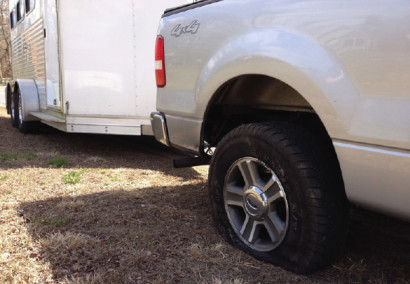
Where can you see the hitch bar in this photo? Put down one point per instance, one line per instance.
(190, 162)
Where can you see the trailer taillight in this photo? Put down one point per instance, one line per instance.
(160, 62)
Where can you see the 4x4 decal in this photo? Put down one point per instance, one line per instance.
(191, 28)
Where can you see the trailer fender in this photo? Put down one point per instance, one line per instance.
(29, 98)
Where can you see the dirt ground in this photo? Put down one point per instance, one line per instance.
(104, 209)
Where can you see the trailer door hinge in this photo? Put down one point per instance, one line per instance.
(67, 105)
(45, 33)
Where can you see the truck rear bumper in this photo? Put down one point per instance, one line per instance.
(177, 132)
(159, 127)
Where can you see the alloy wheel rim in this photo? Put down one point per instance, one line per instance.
(256, 204)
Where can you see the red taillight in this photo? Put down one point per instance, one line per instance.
(160, 62)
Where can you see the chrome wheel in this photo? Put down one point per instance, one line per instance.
(256, 204)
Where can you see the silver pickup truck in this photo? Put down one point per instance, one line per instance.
(300, 106)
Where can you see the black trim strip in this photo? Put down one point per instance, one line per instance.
(183, 8)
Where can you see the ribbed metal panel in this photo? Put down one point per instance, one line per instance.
(28, 59)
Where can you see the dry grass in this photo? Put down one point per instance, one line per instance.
(132, 218)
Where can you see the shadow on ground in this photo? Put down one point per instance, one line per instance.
(158, 235)
(165, 235)
(378, 244)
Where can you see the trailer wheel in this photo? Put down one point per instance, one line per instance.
(23, 126)
(13, 110)
(8, 98)
(276, 195)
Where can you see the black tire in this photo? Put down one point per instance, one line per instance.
(13, 110)
(277, 194)
(23, 126)
(8, 99)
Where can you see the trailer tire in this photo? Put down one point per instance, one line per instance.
(277, 195)
(24, 126)
(8, 98)
(13, 110)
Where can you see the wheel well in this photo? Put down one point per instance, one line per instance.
(256, 98)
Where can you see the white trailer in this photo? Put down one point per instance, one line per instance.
(84, 66)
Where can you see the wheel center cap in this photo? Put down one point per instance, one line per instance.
(255, 202)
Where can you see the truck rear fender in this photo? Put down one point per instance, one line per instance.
(291, 58)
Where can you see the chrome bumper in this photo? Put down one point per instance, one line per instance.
(159, 127)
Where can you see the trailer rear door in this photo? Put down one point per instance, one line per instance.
(52, 55)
